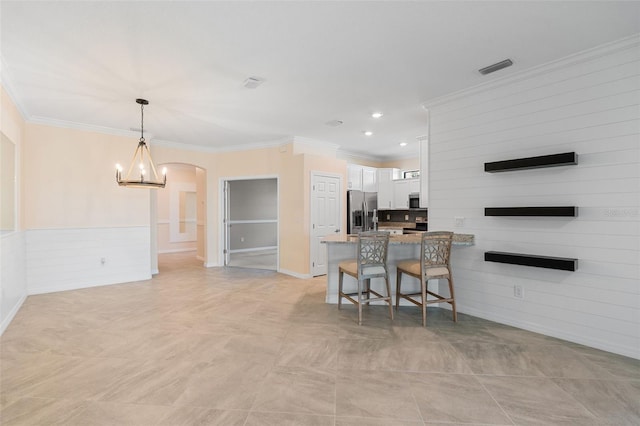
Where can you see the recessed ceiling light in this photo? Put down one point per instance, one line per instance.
(403, 144)
(377, 115)
(368, 133)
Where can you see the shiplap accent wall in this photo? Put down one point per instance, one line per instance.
(67, 259)
(12, 276)
(588, 103)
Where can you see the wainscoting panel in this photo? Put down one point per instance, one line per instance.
(66, 259)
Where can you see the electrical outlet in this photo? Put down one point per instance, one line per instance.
(518, 291)
(406, 217)
(242, 239)
(388, 217)
(459, 222)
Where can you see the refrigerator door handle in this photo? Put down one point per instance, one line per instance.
(365, 216)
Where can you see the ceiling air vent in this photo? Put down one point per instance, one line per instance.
(495, 67)
(253, 82)
(334, 123)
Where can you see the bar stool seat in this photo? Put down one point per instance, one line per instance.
(371, 263)
(434, 263)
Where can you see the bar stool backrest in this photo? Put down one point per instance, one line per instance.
(436, 249)
(372, 252)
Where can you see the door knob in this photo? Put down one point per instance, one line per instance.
(337, 230)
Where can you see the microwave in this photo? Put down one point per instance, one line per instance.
(414, 200)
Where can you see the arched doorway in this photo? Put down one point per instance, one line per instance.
(178, 216)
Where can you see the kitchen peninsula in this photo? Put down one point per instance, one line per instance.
(401, 247)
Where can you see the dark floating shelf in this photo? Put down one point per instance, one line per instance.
(560, 211)
(553, 160)
(561, 263)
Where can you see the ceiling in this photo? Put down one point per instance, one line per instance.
(86, 62)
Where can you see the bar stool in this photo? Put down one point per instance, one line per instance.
(434, 263)
(371, 263)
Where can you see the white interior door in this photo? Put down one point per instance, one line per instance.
(326, 215)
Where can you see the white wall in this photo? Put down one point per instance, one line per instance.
(587, 103)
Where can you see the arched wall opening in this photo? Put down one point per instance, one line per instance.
(179, 214)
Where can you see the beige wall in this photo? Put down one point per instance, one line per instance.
(69, 180)
(69, 183)
(403, 164)
(12, 129)
(293, 172)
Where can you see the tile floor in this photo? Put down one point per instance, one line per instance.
(263, 259)
(247, 347)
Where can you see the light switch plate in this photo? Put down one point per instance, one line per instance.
(406, 217)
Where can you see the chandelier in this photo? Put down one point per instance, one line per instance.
(137, 176)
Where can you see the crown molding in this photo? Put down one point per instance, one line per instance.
(85, 127)
(315, 146)
(213, 150)
(632, 41)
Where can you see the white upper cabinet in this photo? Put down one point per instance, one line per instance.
(354, 177)
(369, 179)
(401, 190)
(414, 185)
(362, 178)
(385, 187)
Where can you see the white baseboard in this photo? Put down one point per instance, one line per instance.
(295, 274)
(181, 250)
(632, 352)
(12, 314)
(211, 265)
(78, 286)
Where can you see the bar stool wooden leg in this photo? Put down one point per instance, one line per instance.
(453, 299)
(368, 288)
(360, 302)
(398, 294)
(340, 277)
(423, 284)
(390, 302)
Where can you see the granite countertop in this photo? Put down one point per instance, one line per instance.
(458, 239)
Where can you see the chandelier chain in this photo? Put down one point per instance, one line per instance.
(141, 122)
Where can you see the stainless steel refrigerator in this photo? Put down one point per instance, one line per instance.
(361, 211)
